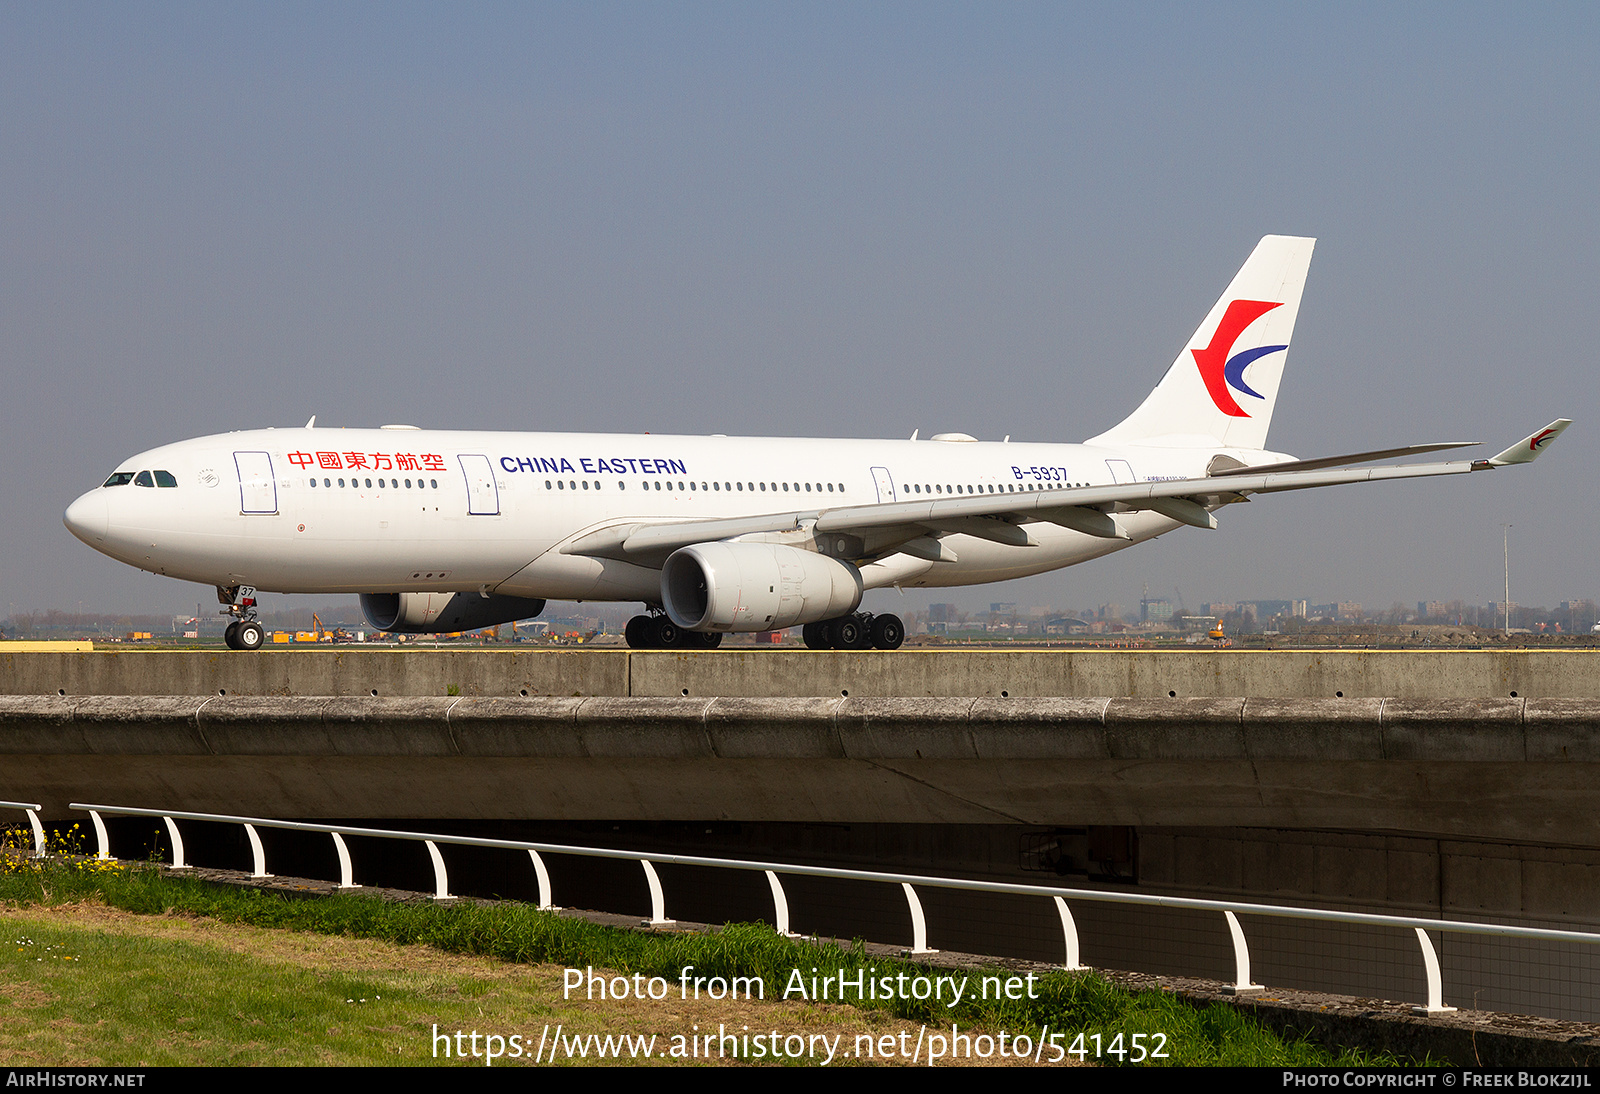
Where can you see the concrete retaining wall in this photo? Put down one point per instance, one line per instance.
(1520, 769)
(1286, 674)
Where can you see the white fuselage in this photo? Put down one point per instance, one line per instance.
(407, 510)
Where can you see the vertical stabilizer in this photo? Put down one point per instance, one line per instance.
(1220, 391)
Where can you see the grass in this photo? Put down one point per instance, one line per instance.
(98, 996)
(174, 1000)
(88, 985)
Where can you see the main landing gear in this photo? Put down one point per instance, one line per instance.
(657, 632)
(244, 633)
(856, 632)
(850, 632)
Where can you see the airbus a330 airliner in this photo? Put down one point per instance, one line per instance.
(450, 531)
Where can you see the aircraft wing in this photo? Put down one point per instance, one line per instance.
(1233, 467)
(1002, 517)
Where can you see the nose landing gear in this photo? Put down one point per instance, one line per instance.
(244, 633)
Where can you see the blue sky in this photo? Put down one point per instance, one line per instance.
(834, 220)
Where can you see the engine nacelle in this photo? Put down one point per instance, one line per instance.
(442, 613)
(755, 587)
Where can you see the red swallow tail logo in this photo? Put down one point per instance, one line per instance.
(1221, 372)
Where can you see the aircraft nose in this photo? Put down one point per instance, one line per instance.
(88, 517)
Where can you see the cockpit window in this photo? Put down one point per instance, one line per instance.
(165, 479)
(121, 478)
(143, 479)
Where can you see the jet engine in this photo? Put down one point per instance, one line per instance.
(755, 587)
(442, 613)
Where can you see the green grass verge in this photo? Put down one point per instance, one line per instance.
(1064, 1004)
(78, 996)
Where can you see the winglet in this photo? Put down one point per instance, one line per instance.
(1529, 448)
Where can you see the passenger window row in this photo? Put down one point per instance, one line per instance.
(808, 488)
(167, 480)
(1003, 488)
(392, 484)
(730, 487)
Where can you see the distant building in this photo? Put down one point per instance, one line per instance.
(1155, 611)
(1266, 609)
(1579, 613)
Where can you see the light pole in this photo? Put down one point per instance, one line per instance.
(1505, 532)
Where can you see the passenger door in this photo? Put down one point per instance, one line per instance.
(885, 483)
(258, 491)
(483, 497)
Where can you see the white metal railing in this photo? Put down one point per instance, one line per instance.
(658, 915)
(32, 809)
